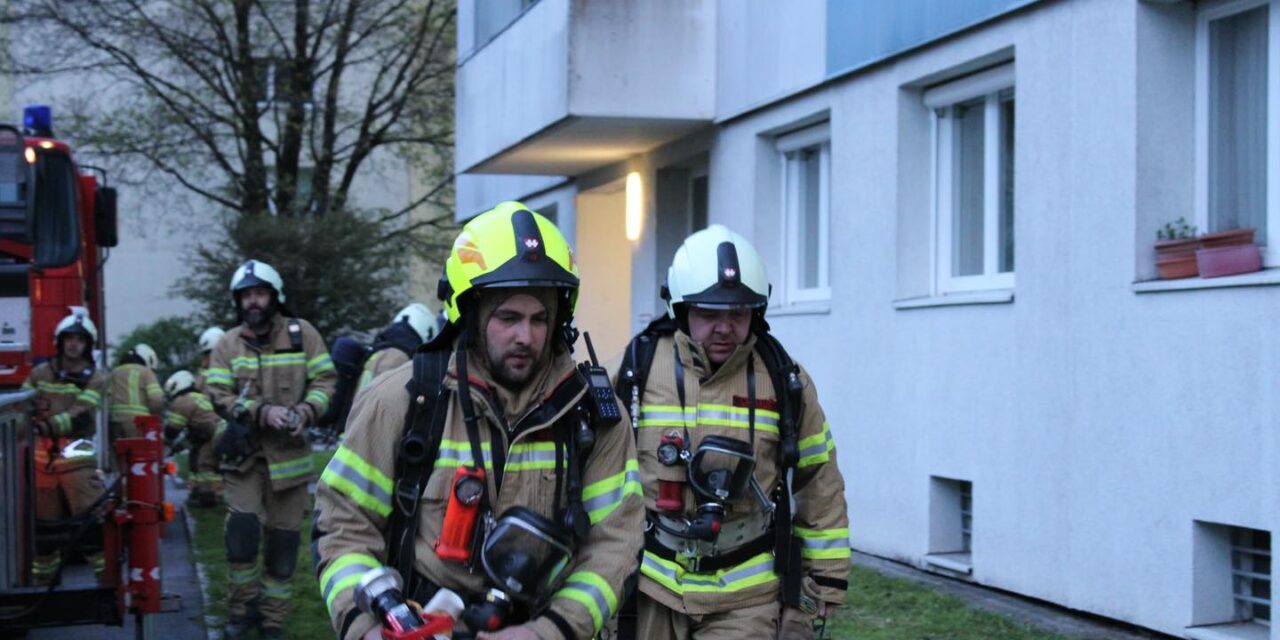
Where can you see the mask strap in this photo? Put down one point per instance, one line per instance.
(751, 400)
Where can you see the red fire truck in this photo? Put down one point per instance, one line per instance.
(57, 223)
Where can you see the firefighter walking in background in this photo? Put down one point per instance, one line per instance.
(69, 392)
(191, 410)
(394, 345)
(748, 535)
(271, 376)
(206, 481)
(135, 391)
(208, 340)
(520, 471)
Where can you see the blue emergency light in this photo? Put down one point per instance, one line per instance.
(38, 119)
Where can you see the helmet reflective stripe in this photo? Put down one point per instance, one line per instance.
(147, 355)
(420, 318)
(77, 322)
(254, 273)
(179, 381)
(717, 268)
(209, 338)
(508, 246)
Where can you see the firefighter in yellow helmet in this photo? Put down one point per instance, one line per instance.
(192, 411)
(530, 510)
(135, 391)
(748, 535)
(69, 390)
(271, 376)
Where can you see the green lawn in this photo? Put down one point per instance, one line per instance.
(879, 608)
(309, 619)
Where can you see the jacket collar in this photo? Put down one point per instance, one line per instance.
(277, 336)
(694, 358)
(505, 406)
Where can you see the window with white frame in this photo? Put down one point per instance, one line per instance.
(973, 181)
(1237, 111)
(806, 219)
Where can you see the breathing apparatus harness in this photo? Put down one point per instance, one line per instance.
(509, 568)
(785, 376)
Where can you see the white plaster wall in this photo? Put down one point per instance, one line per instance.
(477, 192)
(767, 50)
(1095, 423)
(630, 58)
(513, 86)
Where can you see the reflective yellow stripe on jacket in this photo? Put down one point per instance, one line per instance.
(673, 576)
(601, 498)
(593, 593)
(364, 483)
(824, 544)
(344, 574)
(706, 414)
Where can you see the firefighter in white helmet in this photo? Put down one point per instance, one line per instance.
(191, 410)
(206, 481)
(208, 340)
(69, 392)
(748, 535)
(393, 346)
(135, 391)
(271, 376)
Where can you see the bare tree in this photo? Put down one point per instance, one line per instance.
(261, 107)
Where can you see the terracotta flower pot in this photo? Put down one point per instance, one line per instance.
(1228, 261)
(1230, 238)
(1174, 248)
(1177, 258)
(1179, 266)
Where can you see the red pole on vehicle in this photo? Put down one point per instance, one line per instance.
(145, 511)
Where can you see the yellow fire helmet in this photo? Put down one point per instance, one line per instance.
(509, 246)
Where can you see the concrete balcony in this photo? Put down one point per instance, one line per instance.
(573, 85)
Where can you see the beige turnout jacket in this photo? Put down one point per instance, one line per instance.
(69, 407)
(353, 500)
(716, 404)
(274, 373)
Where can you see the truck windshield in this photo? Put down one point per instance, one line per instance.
(57, 232)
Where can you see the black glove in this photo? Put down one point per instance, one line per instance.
(233, 447)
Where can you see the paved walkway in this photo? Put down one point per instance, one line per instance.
(1039, 614)
(179, 579)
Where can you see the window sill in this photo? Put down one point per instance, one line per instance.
(1264, 278)
(1231, 631)
(956, 299)
(960, 562)
(810, 307)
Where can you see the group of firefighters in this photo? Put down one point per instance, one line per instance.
(688, 490)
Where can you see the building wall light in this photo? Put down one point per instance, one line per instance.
(635, 207)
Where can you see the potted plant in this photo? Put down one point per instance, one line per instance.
(1227, 253)
(1176, 246)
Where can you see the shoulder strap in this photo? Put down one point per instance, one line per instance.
(636, 361)
(790, 393)
(416, 454)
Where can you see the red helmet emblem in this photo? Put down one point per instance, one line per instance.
(531, 243)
